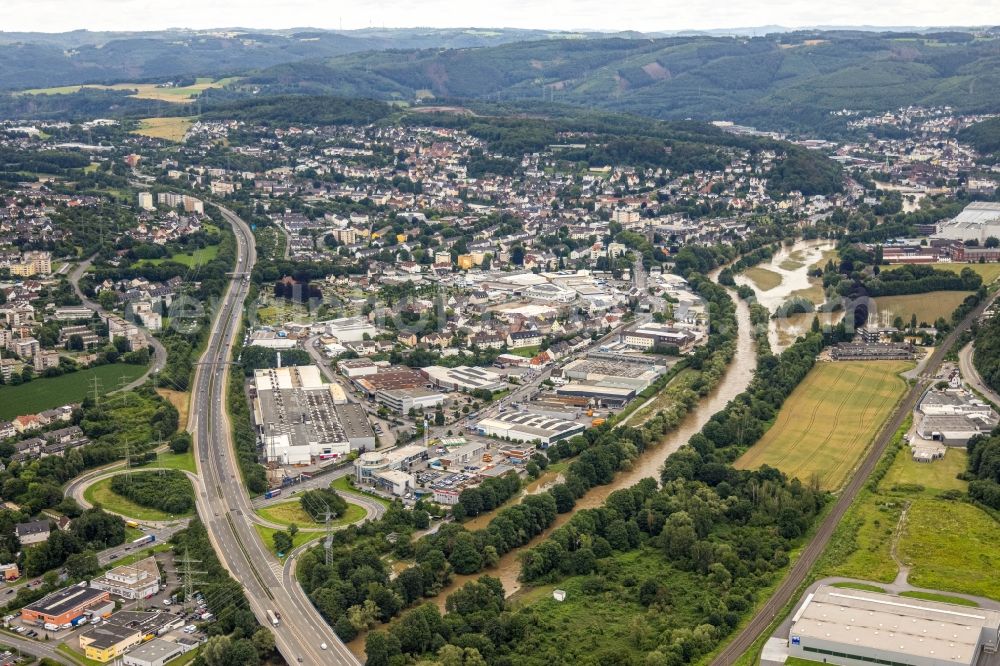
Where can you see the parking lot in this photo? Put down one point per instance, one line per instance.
(164, 600)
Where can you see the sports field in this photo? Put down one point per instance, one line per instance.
(171, 128)
(829, 420)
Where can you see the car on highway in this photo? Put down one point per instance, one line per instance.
(322, 646)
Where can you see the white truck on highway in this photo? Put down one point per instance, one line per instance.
(275, 618)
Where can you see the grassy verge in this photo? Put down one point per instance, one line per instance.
(267, 536)
(859, 586)
(181, 461)
(101, 493)
(197, 258)
(76, 656)
(180, 400)
(526, 352)
(928, 307)
(343, 484)
(943, 598)
(291, 512)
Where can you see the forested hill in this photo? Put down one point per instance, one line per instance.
(785, 81)
(984, 136)
(43, 60)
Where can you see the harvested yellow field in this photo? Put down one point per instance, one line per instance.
(177, 95)
(169, 129)
(829, 420)
(180, 400)
(928, 307)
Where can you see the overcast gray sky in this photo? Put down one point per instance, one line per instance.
(644, 15)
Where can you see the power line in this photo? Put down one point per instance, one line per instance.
(188, 575)
(97, 391)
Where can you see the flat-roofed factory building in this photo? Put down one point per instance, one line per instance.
(528, 427)
(63, 605)
(847, 626)
(463, 378)
(299, 418)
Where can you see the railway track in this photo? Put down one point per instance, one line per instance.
(799, 572)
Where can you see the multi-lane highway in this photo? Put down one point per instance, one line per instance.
(223, 505)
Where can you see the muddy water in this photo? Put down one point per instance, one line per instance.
(783, 331)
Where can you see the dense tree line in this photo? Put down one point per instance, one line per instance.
(256, 358)
(984, 136)
(479, 165)
(983, 470)
(244, 433)
(41, 161)
(487, 496)
(916, 279)
(804, 171)
(356, 589)
(986, 353)
(295, 109)
(317, 502)
(166, 490)
(93, 530)
(298, 292)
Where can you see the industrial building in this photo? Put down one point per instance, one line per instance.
(131, 581)
(156, 652)
(863, 351)
(395, 377)
(356, 426)
(389, 470)
(63, 605)
(109, 641)
(300, 419)
(527, 427)
(953, 416)
(357, 367)
(847, 626)
(463, 378)
(978, 221)
(350, 329)
(403, 400)
(615, 370)
(599, 395)
(649, 335)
